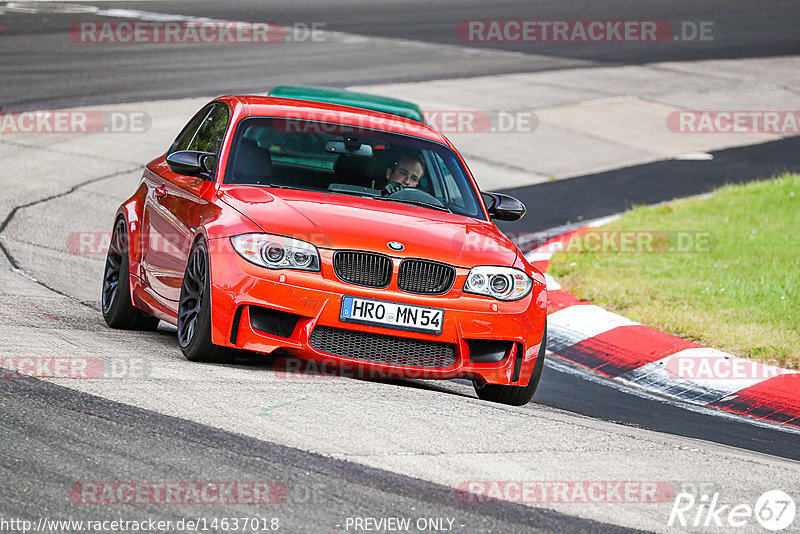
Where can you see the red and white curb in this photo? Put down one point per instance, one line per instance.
(623, 350)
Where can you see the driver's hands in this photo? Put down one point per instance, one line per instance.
(392, 187)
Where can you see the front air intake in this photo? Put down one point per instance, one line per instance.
(379, 348)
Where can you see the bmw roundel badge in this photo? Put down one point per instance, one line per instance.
(394, 245)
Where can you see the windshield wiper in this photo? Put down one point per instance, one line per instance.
(281, 186)
(416, 203)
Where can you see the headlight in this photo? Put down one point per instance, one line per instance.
(277, 251)
(502, 283)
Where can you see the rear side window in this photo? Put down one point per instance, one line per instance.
(205, 131)
(211, 132)
(187, 134)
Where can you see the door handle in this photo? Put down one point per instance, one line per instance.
(161, 191)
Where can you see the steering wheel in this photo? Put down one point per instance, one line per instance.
(417, 195)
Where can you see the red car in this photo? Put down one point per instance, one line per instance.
(281, 224)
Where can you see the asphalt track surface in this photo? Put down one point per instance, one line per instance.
(318, 493)
(81, 434)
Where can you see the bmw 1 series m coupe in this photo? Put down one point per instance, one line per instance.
(336, 227)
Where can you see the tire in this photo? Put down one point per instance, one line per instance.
(194, 311)
(515, 395)
(115, 300)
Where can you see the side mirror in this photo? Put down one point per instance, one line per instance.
(191, 163)
(503, 207)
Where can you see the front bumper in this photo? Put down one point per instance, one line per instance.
(240, 291)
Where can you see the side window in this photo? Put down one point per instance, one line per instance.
(187, 134)
(209, 136)
(446, 186)
(458, 193)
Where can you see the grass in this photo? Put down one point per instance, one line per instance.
(737, 289)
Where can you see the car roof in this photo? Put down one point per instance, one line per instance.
(267, 106)
(333, 95)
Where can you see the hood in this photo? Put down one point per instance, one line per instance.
(335, 221)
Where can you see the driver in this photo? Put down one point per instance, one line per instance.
(405, 172)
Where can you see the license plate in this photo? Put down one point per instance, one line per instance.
(392, 315)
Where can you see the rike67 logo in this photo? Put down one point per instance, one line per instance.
(774, 510)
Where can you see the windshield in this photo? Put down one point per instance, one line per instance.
(272, 152)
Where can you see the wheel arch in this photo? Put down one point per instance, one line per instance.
(132, 211)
